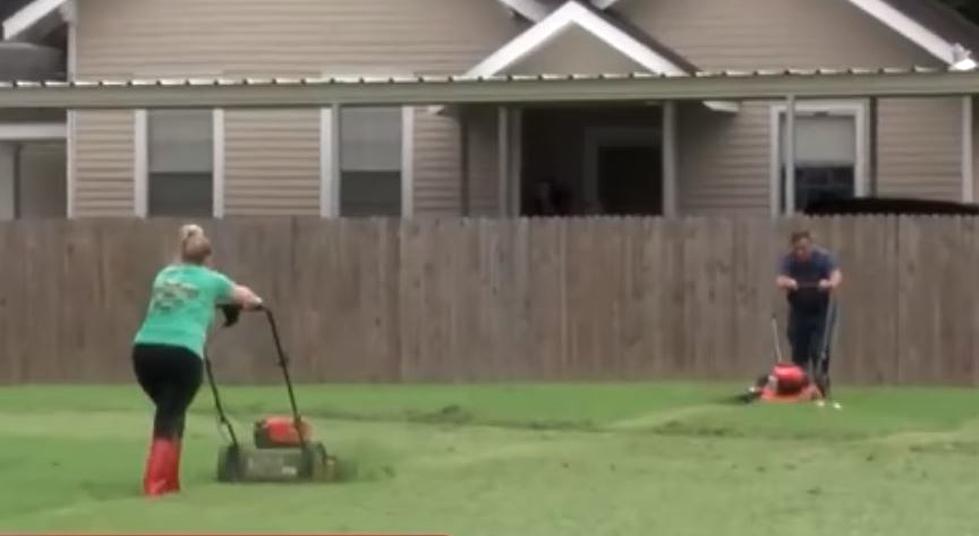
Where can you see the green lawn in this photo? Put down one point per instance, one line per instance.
(525, 459)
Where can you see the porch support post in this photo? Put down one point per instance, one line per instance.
(465, 187)
(219, 163)
(407, 162)
(872, 179)
(669, 148)
(141, 163)
(790, 155)
(968, 186)
(503, 160)
(330, 162)
(515, 157)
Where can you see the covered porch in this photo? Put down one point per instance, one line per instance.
(614, 143)
(569, 159)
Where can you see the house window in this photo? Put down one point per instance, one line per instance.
(180, 178)
(370, 161)
(828, 155)
(33, 171)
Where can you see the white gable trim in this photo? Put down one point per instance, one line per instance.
(951, 53)
(31, 14)
(572, 13)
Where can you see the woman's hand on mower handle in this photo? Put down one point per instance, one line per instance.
(246, 298)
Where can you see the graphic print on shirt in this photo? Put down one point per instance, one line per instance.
(172, 294)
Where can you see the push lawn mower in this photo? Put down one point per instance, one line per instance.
(284, 450)
(787, 382)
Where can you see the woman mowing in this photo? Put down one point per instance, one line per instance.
(168, 350)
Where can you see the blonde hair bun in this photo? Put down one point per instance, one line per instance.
(195, 247)
(190, 230)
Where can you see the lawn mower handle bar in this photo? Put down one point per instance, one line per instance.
(808, 286)
(222, 416)
(284, 365)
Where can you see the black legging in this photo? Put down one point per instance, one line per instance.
(170, 376)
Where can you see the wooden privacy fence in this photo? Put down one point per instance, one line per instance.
(489, 300)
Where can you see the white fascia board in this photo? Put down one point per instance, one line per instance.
(934, 44)
(22, 21)
(729, 107)
(966, 64)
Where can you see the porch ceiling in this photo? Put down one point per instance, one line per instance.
(434, 90)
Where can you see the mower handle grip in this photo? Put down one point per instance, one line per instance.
(232, 312)
(809, 286)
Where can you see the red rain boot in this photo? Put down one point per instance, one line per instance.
(154, 477)
(157, 478)
(173, 469)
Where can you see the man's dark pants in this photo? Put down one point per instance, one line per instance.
(806, 331)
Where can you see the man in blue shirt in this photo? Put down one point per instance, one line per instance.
(808, 275)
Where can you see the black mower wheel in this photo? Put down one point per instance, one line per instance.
(317, 463)
(229, 464)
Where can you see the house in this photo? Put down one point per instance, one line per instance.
(649, 158)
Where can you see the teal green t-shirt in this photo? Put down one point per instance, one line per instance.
(182, 306)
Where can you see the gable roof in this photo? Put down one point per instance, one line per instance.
(627, 39)
(933, 26)
(637, 47)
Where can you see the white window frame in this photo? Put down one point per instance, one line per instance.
(141, 161)
(46, 131)
(858, 109)
(330, 162)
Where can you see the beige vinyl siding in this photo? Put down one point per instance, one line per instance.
(104, 164)
(484, 170)
(724, 163)
(272, 162)
(761, 34)
(920, 148)
(437, 165)
(575, 51)
(236, 38)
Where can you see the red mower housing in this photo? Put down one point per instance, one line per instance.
(789, 383)
(789, 378)
(785, 383)
(281, 432)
